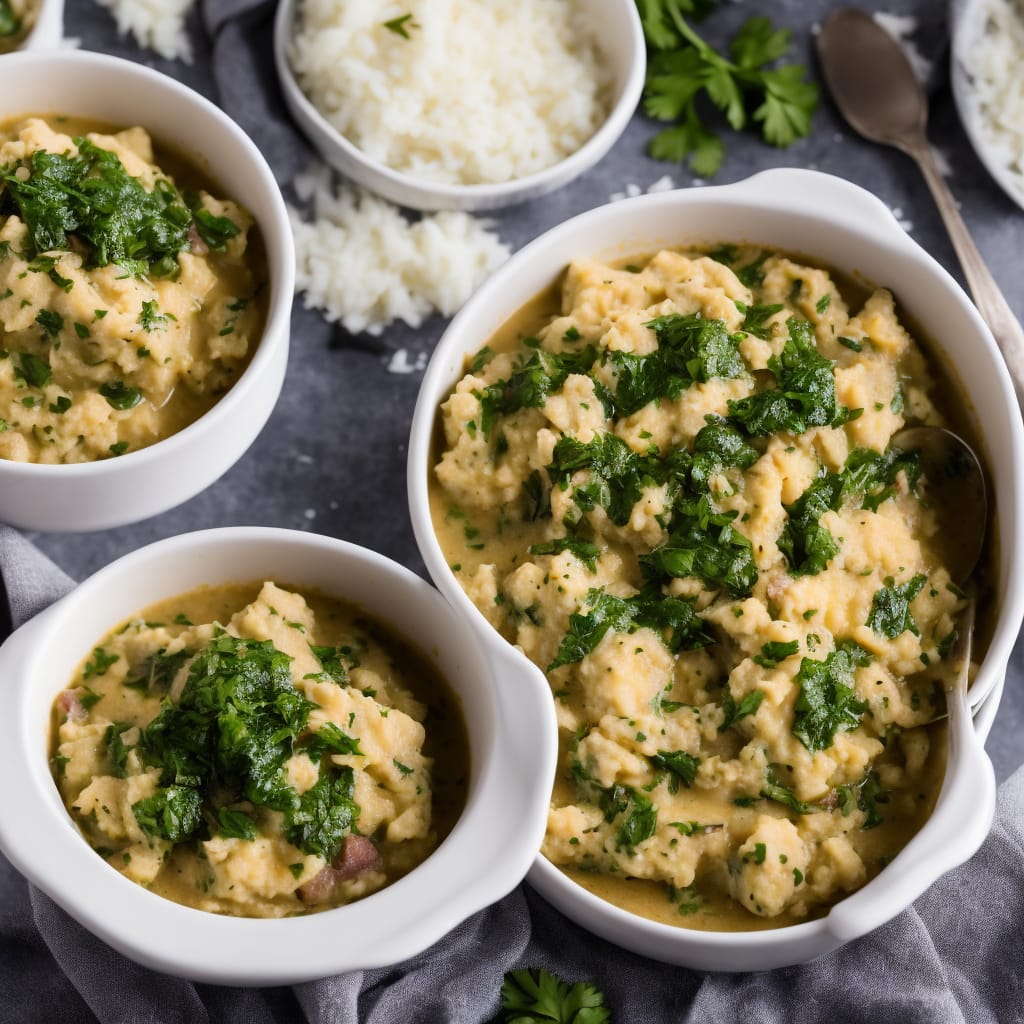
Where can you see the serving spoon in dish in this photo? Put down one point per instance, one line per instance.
(877, 91)
(948, 462)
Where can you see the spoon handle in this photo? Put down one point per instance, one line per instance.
(988, 298)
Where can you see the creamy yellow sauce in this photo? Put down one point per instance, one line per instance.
(98, 355)
(408, 769)
(695, 786)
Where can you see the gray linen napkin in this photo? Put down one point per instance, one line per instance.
(957, 955)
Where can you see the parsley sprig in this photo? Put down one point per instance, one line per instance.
(538, 997)
(745, 86)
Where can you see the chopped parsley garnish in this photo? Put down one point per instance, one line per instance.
(215, 231)
(150, 317)
(92, 197)
(618, 475)
(325, 814)
(238, 721)
(157, 672)
(690, 349)
(61, 406)
(807, 545)
(775, 791)
(673, 618)
(704, 543)
(890, 607)
(48, 265)
(851, 343)
(174, 813)
(481, 359)
(235, 824)
(681, 766)
(120, 396)
(755, 317)
(10, 23)
(401, 25)
(537, 997)
(775, 651)
(330, 739)
(335, 662)
(52, 323)
(734, 711)
(875, 475)
(586, 552)
(100, 663)
(542, 375)
(826, 702)
(32, 369)
(806, 392)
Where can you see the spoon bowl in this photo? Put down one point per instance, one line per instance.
(956, 480)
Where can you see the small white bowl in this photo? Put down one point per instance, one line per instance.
(134, 486)
(834, 223)
(621, 41)
(512, 735)
(968, 18)
(48, 30)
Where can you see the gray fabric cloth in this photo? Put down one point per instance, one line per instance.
(956, 956)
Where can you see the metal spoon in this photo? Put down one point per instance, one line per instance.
(878, 92)
(956, 482)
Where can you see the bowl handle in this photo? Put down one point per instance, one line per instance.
(958, 826)
(815, 191)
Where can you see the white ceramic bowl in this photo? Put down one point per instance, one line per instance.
(621, 41)
(48, 30)
(509, 719)
(967, 20)
(112, 492)
(837, 224)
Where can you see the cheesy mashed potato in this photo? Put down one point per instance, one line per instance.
(126, 308)
(676, 491)
(274, 766)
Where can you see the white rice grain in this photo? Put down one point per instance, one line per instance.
(994, 62)
(159, 25)
(473, 92)
(364, 265)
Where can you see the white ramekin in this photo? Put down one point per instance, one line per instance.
(116, 491)
(621, 40)
(512, 736)
(828, 221)
(48, 30)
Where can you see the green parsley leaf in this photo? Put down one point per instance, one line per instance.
(806, 392)
(325, 814)
(173, 813)
(775, 791)
(807, 545)
(681, 766)
(52, 323)
(754, 318)
(32, 369)
(401, 25)
(775, 651)
(537, 997)
(150, 317)
(235, 824)
(890, 607)
(826, 702)
(100, 663)
(733, 712)
(684, 69)
(215, 231)
(10, 23)
(666, 615)
(586, 552)
(120, 396)
(330, 739)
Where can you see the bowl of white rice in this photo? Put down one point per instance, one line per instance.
(988, 50)
(461, 104)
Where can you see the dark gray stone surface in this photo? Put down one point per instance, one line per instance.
(332, 458)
